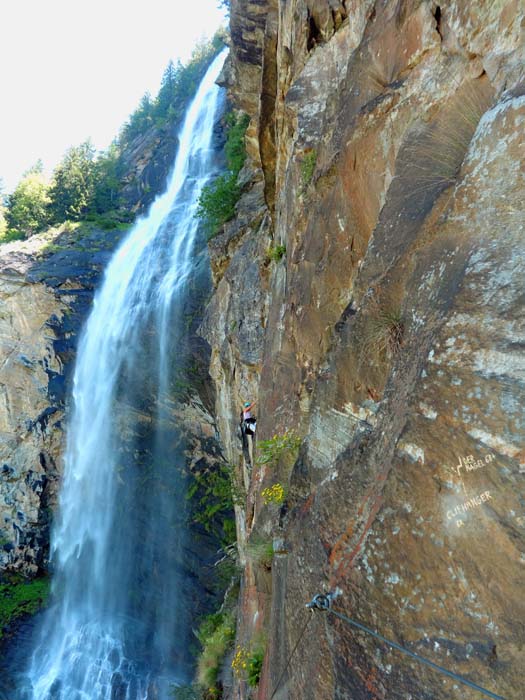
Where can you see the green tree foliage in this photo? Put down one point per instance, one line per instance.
(27, 207)
(73, 183)
(139, 121)
(85, 185)
(178, 85)
(168, 87)
(107, 181)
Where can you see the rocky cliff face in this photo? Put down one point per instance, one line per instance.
(387, 156)
(46, 288)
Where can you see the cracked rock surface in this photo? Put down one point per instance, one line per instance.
(387, 141)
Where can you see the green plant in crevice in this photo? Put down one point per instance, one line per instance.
(255, 664)
(275, 253)
(227, 574)
(260, 551)
(269, 452)
(247, 663)
(235, 148)
(273, 494)
(217, 201)
(308, 164)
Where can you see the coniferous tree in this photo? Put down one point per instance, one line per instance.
(167, 92)
(107, 181)
(73, 183)
(140, 120)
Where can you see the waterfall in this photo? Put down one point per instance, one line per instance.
(119, 625)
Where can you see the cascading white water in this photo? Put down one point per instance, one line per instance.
(118, 629)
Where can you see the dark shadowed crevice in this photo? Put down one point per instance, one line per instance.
(437, 17)
(314, 34)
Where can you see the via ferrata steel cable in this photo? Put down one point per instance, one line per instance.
(323, 602)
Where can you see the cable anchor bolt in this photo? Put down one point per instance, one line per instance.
(320, 602)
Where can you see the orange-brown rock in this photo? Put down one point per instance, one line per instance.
(390, 337)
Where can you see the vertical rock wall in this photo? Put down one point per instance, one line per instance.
(30, 437)
(387, 156)
(44, 298)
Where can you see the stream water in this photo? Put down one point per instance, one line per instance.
(119, 626)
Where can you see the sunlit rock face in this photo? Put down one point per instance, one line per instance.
(44, 298)
(387, 141)
(29, 469)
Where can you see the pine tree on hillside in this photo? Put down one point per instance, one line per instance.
(107, 181)
(139, 121)
(167, 92)
(73, 183)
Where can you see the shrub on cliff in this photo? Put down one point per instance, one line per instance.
(214, 495)
(217, 201)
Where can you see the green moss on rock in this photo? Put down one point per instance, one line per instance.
(21, 598)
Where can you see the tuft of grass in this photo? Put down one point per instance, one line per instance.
(255, 664)
(382, 333)
(216, 635)
(260, 551)
(21, 598)
(432, 160)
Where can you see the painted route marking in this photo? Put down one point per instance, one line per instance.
(467, 505)
(469, 464)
